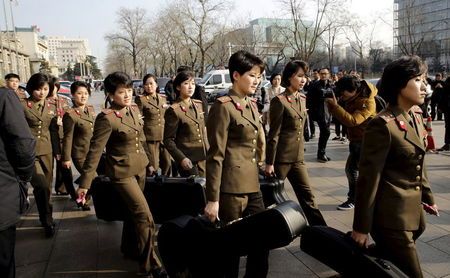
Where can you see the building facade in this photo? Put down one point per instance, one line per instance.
(67, 51)
(422, 27)
(12, 60)
(34, 45)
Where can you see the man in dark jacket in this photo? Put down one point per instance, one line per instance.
(319, 113)
(17, 154)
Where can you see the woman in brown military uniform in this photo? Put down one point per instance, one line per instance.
(285, 147)
(41, 117)
(120, 130)
(236, 136)
(78, 124)
(393, 185)
(153, 107)
(63, 178)
(184, 130)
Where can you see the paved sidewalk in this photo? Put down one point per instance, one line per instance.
(86, 247)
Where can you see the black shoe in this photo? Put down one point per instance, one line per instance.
(159, 272)
(322, 158)
(84, 207)
(62, 192)
(347, 205)
(446, 147)
(49, 230)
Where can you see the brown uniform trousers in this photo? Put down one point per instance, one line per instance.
(285, 149)
(184, 135)
(237, 146)
(120, 130)
(392, 185)
(42, 120)
(153, 109)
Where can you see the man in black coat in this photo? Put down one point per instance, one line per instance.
(319, 113)
(17, 154)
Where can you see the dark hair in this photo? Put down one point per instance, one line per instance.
(36, 82)
(116, 80)
(290, 69)
(77, 84)
(180, 78)
(147, 76)
(243, 61)
(324, 68)
(54, 82)
(397, 74)
(12, 75)
(352, 83)
(272, 77)
(183, 68)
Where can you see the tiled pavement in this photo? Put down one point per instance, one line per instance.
(86, 247)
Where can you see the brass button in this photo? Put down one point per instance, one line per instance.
(137, 138)
(253, 160)
(39, 136)
(254, 150)
(299, 132)
(137, 151)
(420, 156)
(40, 126)
(418, 178)
(40, 122)
(254, 141)
(256, 132)
(199, 135)
(417, 188)
(39, 132)
(418, 167)
(199, 140)
(137, 132)
(298, 139)
(91, 123)
(92, 129)
(159, 124)
(159, 119)
(198, 130)
(137, 145)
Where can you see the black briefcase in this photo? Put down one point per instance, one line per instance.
(108, 204)
(272, 190)
(169, 198)
(338, 250)
(193, 246)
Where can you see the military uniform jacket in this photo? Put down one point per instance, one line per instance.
(237, 145)
(153, 110)
(287, 117)
(43, 126)
(184, 131)
(392, 180)
(78, 128)
(120, 131)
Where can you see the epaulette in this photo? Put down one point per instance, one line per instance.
(197, 100)
(387, 116)
(416, 109)
(134, 106)
(224, 99)
(91, 108)
(162, 95)
(107, 111)
(175, 105)
(302, 95)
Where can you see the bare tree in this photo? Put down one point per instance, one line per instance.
(303, 35)
(197, 20)
(131, 34)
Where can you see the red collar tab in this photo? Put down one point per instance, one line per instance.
(238, 106)
(29, 104)
(77, 111)
(289, 99)
(402, 125)
(118, 115)
(183, 108)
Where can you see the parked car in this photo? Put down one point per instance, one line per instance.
(162, 81)
(137, 87)
(65, 83)
(216, 79)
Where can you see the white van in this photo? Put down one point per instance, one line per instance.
(216, 79)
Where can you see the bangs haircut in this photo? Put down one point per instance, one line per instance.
(180, 78)
(37, 81)
(243, 61)
(117, 80)
(397, 74)
(77, 84)
(290, 69)
(147, 76)
(12, 75)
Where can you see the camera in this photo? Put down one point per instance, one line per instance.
(328, 93)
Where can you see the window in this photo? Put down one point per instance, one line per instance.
(216, 79)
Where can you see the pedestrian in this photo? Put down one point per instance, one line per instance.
(78, 125)
(184, 130)
(42, 116)
(438, 86)
(61, 105)
(358, 99)
(120, 130)
(237, 146)
(444, 107)
(319, 111)
(393, 189)
(152, 107)
(13, 82)
(17, 154)
(273, 90)
(285, 157)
